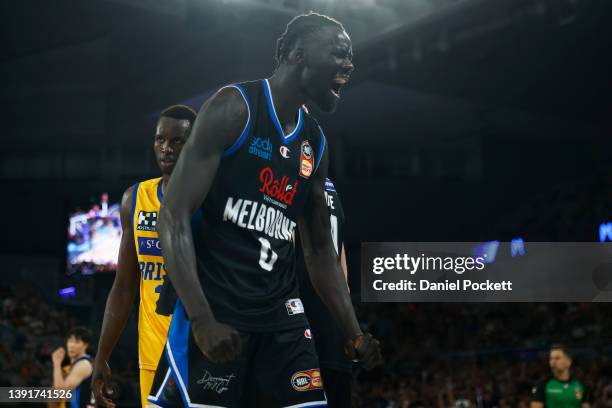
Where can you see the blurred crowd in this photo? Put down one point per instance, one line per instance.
(481, 355)
(437, 355)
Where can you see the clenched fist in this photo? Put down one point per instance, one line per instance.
(218, 342)
(366, 349)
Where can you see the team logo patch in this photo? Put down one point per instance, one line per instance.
(578, 393)
(307, 334)
(307, 380)
(284, 151)
(294, 306)
(147, 221)
(261, 147)
(149, 246)
(306, 159)
(278, 189)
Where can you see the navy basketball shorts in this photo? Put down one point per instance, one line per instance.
(274, 370)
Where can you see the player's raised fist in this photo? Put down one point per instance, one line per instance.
(366, 349)
(58, 355)
(219, 342)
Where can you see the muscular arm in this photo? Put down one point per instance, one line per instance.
(217, 126)
(121, 296)
(326, 273)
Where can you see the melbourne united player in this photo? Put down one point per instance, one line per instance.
(140, 260)
(76, 376)
(561, 390)
(256, 165)
(336, 368)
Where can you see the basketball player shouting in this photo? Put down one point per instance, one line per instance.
(256, 165)
(140, 261)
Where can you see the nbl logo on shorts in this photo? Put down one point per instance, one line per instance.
(147, 221)
(307, 380)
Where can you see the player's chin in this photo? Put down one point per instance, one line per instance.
(166, 167)
(328, 102)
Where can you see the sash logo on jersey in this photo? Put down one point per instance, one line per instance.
(280, 190)
(307, 334)
(261, 147)
(307, 380)
(306, 160)
(149, 246)
(294, 306)
(147, 221)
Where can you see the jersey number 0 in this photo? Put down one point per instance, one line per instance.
(267, 256)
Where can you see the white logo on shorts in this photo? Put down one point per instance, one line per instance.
(294, 306)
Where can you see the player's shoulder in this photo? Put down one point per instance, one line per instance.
(82, 362)
(232, 99)
(131, 191)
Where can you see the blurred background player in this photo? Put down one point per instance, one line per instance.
(140, 260)
(336, 368)
(560, 390)
(76, 376)
(256, 165)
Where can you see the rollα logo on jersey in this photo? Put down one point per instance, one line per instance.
(280, 190)
(261, 147)
(147, 221)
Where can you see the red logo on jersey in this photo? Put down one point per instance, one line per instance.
(280, 190)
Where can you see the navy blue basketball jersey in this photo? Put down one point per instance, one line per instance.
(245, 241)
(329, 340)
(82, 395)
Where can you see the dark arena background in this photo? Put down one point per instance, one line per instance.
(465, 120)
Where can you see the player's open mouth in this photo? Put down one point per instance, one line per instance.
(166, 161)
(337, 84)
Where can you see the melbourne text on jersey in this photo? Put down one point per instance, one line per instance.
(257, 216)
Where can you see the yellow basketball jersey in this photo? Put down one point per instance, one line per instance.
(152, 327)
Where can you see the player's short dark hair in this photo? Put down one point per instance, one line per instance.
(561, 347)
(300, 26)
(179, 112)
(81, 333)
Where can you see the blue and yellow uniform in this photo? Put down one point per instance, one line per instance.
(152, 327)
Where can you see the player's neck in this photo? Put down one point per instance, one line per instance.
(75, 358)
(286, 95)
(563, 377)
(165, 179)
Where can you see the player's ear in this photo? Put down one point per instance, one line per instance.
(296, 56)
